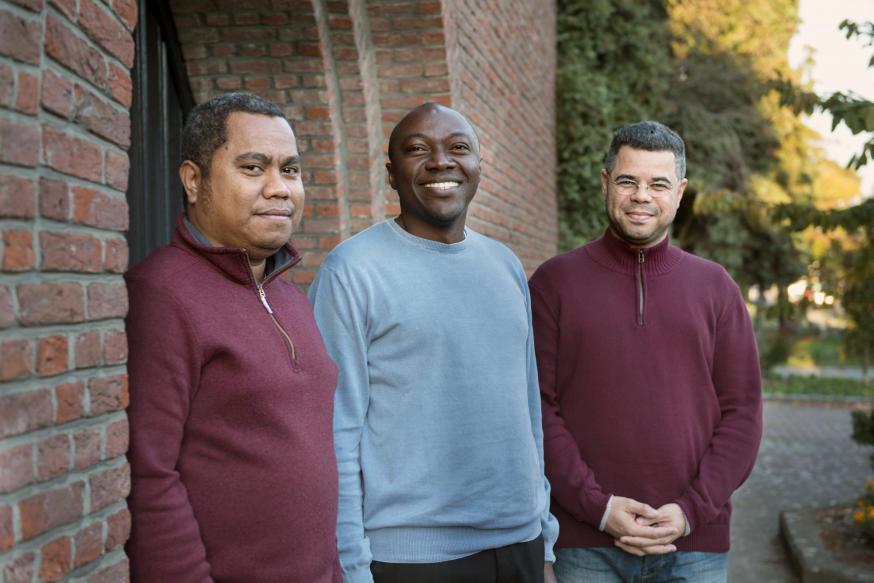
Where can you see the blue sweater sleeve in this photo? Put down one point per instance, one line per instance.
(341, 320)
(548, 522)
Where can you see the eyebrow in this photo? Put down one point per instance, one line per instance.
(656, 179)
(265, 159)
(450, 136)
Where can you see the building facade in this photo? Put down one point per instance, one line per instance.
(92, 98)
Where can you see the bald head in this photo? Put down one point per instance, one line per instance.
(415, 116)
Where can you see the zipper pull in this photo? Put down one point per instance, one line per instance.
(640, 255)
(263, 297)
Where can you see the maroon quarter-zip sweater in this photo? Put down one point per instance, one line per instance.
(650, 385)
(234, 477)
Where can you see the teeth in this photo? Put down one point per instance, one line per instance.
(442, 185)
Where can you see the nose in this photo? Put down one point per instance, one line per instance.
(641, 193)
(276, 185)
(439, 160)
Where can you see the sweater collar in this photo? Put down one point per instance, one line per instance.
(616, 254)
(233, 262)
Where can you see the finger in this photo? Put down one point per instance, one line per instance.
(639, 541)
(651, 532)
(629, 549)
(642, 509)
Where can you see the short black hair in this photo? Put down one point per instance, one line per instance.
(651, 136)
(206, 128)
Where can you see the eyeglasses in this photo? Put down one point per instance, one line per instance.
(627, 187)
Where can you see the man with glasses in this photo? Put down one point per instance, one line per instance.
(650, 382)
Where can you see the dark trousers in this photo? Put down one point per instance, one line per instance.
(518, 563)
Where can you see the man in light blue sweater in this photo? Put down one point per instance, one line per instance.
(437, 422)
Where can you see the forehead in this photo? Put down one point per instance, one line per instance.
(645, 162)
(259, 133)
(435, 123)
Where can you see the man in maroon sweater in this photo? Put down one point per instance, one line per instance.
(650, 384)
(234, 477)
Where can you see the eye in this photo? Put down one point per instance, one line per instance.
(660, 187)
(415, 148)
(252, 168)
(626, 183)
(461, 147)
(292, 170)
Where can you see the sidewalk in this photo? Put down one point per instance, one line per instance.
(807, 458)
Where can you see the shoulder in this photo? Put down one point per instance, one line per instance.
(705, 270)
(164, 268)
(560, 266)
(364, 247)
(493, 248)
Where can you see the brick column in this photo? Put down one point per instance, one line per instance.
(65, 94)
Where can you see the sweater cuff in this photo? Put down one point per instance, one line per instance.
(358, 575)
(606, 514)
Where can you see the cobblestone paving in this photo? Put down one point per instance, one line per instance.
(807, 458)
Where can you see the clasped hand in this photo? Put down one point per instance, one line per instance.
(640, 529)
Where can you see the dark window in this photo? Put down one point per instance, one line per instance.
(161, 100)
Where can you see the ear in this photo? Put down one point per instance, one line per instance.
(681, 190)
(605, 179)
(192, 179)
(391, 176)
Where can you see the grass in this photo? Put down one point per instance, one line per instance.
(798, 385)
(812, 350)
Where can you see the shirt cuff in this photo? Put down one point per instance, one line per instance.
(687, 530)
(606, 515)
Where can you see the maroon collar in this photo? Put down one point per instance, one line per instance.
(616, 254)
(233, 261)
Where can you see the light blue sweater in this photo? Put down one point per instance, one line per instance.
(437, 423)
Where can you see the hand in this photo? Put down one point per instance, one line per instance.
(670, 516)
(636, 528)
(548, 574)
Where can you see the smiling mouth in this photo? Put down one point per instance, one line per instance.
(442, 185)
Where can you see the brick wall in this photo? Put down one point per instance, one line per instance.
(501, 58)
(65, 92)
(344, 70)
(347, 70)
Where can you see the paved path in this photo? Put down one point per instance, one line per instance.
(835, 372)
(807, 458)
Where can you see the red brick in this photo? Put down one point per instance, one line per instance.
(19, 38)
(101, 117)
(47, 510)
(86, 443)
(72, 155)
(88, 349)
(7, 85)
(118, 529)
(28, 93)
(35, 5)
(55, 562)
(51, 303)
(126, 10)
(7, 314)
(51, 355)
(116, 255)
(116, 439)
(54, 457)
(16, 197)
(107, 300)
(109, 486)
(120, 85)
(67, 7)
(439, 85)
(70, 401)
(57, 92)
(228, 83)
(23, 412)
(63, 45)
(117, 169)
(17, 464)
(89, 544)
(108, 394)
(19, 142)
(54, 202)
(63, 251)
(18, 253)
(114, 347)
(109, 33)
(17, 359)
(117, 573)
(19, 569)
(7, 532)
(98, 209)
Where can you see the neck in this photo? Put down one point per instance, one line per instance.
(258, 268)
(634, 245)
(453, 233)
